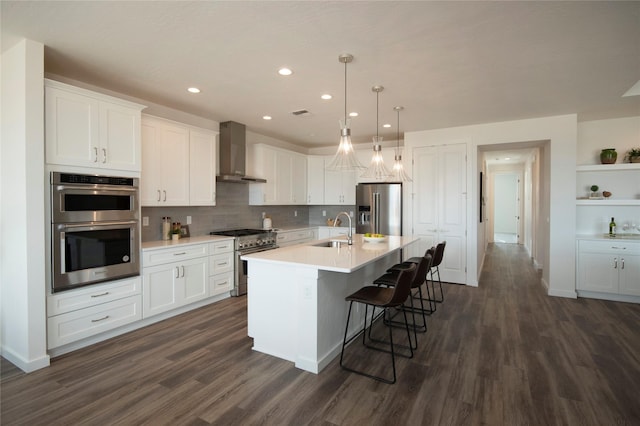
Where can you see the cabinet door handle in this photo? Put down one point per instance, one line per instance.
(158, 195)
(104, 155)
(182, 270)
(100, 295)
(164, 191)
(95, 151)
(177, 272)
(622, 260)
(615, 263)
(100, 319)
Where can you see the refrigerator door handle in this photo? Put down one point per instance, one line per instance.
(376, 213)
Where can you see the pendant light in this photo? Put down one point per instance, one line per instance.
(345, 158)
(377, 169)
(397, 173)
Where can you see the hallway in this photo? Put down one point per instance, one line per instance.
(502, 353)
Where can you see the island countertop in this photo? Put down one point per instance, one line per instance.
(345, 258)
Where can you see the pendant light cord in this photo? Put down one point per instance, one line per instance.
(377, 114)
(345, 93)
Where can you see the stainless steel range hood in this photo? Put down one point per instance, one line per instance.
(232, 154)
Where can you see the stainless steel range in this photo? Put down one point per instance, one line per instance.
(247, 241)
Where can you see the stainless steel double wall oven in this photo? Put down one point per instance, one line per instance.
(95, 233)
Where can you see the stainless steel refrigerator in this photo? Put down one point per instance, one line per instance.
(379, 208)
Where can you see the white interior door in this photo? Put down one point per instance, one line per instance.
(440, 205)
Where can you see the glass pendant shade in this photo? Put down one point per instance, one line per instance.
(398, 173)
(376, 169)
(345, 158)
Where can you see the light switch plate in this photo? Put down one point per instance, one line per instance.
(145, 220)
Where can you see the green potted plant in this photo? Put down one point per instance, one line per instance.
(633, 155)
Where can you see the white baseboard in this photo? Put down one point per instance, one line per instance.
(25, 365)
(569, 294)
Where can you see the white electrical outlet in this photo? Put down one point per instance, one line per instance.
(324, 213)
(188, 220)
(145, 220)
(295, 213)
(351, 213)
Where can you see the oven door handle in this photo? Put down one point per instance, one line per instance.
(111, 189)
(86, 224)
(257, 250)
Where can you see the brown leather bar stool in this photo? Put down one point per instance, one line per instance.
(384, 298)
(390, 278)
(415, 261)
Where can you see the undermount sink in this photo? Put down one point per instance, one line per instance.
(331, 243)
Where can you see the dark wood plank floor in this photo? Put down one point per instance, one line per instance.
(501, 354)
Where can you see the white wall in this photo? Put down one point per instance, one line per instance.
(22, 249)
(559, 212)
(619, 133)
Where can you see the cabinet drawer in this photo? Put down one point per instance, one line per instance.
(76, 325)
(173, 254)
(220, 263)
(608, 246)
(225, 246)
(220, 283)
(85, 297)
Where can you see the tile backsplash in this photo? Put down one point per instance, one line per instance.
(231, 211)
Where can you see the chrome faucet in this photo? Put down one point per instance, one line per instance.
(350, 233)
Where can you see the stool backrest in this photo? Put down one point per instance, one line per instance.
(421, 270)
(439, 254)
(403, 286)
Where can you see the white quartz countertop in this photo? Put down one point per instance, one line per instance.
(343, 259)
(183, 241)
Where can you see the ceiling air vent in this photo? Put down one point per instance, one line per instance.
(301, 113)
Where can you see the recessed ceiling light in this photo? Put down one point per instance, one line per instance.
(386, 125)
(266, 117)
(193, 90)
(507, 158)
(326, 96)
(353, 114)
(285, 71)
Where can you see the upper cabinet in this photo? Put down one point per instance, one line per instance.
(315, 180)
(178, 164)
(88, 129)
(285, 172)
(339, 187)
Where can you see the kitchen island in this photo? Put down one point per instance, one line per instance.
(296, 307)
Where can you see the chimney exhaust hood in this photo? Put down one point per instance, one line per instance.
(233, 153)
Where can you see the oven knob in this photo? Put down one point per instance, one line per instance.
(259, 242)
(240, 245)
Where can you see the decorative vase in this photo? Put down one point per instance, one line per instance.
(608, 156)
(175, 237)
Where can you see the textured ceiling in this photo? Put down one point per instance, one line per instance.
(447, 63)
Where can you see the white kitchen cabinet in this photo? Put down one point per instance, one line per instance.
(164, 180)
(298, 180)
(296, 236)
(285, 173)
(221, 267)
(169, 285)
(315, 180)
(202, 168)
(608, 266)
(178, 164)
(88, 129)
(339, 187)
(439, 205)
(333, 231)
(80, 313)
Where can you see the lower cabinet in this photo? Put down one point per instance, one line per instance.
(296, 236)
(609, 266)
(221, 267)
(166, 287)
(77, 314)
